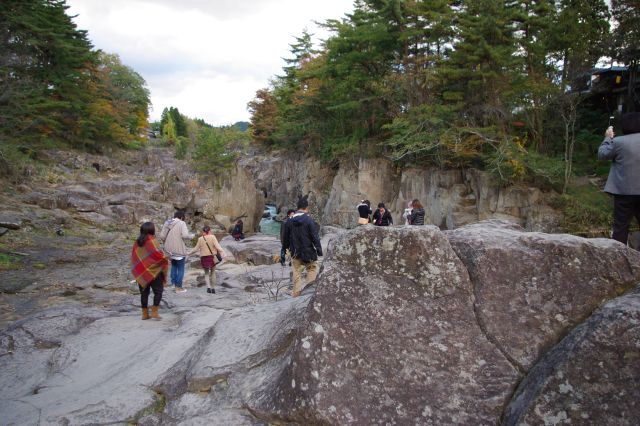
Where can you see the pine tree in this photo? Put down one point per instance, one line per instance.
(481, 70)
(626, 46)
(46, 64)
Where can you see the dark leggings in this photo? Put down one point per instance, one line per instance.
(157, 287)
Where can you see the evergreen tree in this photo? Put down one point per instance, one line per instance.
(579, 38)
(179, 121)
(45, 67)
(626, 46)
(482, 68)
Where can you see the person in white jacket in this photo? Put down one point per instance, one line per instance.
(174, 232)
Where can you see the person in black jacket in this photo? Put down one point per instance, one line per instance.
(237, 233)
(301, 239)
(417, 213)
(283, 250)
(382, 217)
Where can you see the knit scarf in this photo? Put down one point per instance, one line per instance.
(148, 261)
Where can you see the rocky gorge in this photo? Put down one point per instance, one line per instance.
(471, 321)
(452, 198)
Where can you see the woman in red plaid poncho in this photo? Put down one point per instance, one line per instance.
(149, 267)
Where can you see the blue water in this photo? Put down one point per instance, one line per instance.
(268, 225)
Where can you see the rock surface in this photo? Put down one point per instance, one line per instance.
(10, 221)
(530, 287)
(405, 325)
(591, 377)
(255, 249)
(234, 197)
(452, 198)
(393, 339)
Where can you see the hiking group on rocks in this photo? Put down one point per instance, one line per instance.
(413, 214)
(150, 264)
(299, 232)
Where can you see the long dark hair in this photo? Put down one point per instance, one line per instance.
(146, 229)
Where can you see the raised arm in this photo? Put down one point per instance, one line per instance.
(606, 150)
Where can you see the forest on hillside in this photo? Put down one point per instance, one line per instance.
(492, 84)
(58, 90)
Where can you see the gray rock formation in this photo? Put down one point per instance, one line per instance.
(531, 288)
(255, 249)
(392, 338)
(235, 364)
(209, 358)
(591, 377)
(405, 325)
(452, 198)
(10, 221)
(234, 196)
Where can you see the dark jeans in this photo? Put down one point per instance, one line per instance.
(625, 208)
(177, 271)
(157, 287)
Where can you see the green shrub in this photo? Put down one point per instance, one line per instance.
(182, 145)
(18, 163)
(218, 148)
(8, 262)
(586, 210)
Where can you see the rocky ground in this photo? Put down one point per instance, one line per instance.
(73, 349)
(485, 324)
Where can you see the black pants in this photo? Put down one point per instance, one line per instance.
(157, 287)
(625, 208)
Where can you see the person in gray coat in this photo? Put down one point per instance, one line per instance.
(624, 176)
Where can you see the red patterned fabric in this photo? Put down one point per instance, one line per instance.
(148, 261)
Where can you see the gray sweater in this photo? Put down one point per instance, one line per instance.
(624, 153)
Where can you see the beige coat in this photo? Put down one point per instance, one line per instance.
(174, 232)
(201, 246)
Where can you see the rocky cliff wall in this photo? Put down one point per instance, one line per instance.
(452, 198)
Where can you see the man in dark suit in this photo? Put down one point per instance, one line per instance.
(624, 176)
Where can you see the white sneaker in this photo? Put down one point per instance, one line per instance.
(180, 290)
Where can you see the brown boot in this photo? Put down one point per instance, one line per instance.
(154, 313)
(145, 313)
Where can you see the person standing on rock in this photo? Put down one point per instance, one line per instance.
(208, 247)
(382, 217)
(417, 213)
(283, 250)
(174, 232)
(624, 176)
(149, 267)
(237, 233)
(364, 212)
(302, 240)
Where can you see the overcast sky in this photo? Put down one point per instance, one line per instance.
(207, 58)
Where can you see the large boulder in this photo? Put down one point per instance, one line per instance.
(392, 338)
(591, 377)
(255, 250)
(10, 220)
(530, 288)
(234, 365)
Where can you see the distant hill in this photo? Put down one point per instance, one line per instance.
(241, 125)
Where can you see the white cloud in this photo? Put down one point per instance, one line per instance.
(207, 58)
